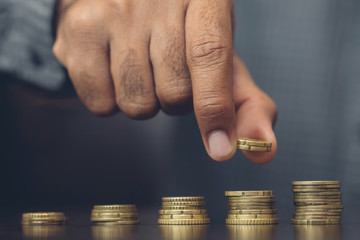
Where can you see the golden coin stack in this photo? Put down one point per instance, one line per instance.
(115, 214)
(251, 207)
(254, 145)
(43, 218)
(317, 202)
(183, 211)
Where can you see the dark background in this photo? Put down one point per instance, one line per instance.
(56, 156)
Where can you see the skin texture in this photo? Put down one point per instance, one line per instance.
(139, 56)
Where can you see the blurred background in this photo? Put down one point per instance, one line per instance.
(55, 154)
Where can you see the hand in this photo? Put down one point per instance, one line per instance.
(140, 55)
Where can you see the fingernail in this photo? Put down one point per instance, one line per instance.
(219, 144)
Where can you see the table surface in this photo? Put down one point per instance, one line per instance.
(79, 227)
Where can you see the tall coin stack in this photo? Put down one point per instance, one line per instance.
(115, 214)
(251, 207)
(43, 218)
(317, 202)
(183, 211)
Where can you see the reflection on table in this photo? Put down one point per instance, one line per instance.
(113, 231)
(252, 232)
(43, 231)
(317, 232)
(181, 232)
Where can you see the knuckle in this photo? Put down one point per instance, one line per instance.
(102, 107)
(138, 110)
(209, 49)
(212, 106)
(172, 97)
(83, 20)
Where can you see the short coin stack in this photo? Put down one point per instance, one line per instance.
(43, 218)
(317, 202)
(115, 214)
(254, 145)
(251, 207)
(183, 211)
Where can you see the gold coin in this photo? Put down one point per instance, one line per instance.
(315, 221)
(113, 214)
(43, 222)
(317, 203)
(316, 186)
(118, 222)
(251, 216)
(305, 183)
(253, 211)
(183, 216)
(183, 221)
(253, 142)
(254, 148)
(126, 211)
(192, 203)
(314, 213)
(182, 207)
(251, 207)
(333, 210)
(115, 207)
(249, 193)
(315, 217)
(252, 221)
(317, 200)
(300, 194)
(185, 211)
(43, 216)
(338, 197)
(251, 201)
(316, 190)
(112, 219)
(182, 199)
(252, 198)
(320, 207)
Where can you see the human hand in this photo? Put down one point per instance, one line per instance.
(142, 55)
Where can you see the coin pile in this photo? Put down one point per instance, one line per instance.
(43, 218)
(183, 211)
(254, 145)
(251, 207)
(317, 202)
(115, 214)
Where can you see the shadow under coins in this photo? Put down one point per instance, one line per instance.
(317, 232)
(252, 232)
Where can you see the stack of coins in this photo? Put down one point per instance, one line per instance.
(254, 145)
(43, 218)
(115, 214)
(183, 211)
(317, 202)
(251, 207)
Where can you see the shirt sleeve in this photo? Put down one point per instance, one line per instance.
(26, 43)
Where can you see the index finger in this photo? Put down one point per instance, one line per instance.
(209, 56)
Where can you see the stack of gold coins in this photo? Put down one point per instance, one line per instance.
(251, 207)
(317, 202)
(254, 145)
(115, 214)
(183, 211)
(43, 218)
